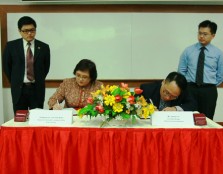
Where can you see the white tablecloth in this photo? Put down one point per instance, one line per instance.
(96, 122)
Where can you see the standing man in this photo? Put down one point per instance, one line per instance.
(202, 65)
(26, 62)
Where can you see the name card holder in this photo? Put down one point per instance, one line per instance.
(21, 116)
(40, 117)
(200, 119)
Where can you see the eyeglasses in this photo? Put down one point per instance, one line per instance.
(84, 78)
(203, 34)
(167, 93)
(28, 31)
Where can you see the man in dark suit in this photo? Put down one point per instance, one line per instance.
(170, 94)
(28, 92)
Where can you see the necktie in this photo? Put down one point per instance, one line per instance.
(200, 67)
(163, 104)
(29, 63)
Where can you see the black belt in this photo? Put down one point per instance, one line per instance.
(201, 85)
(28, 83)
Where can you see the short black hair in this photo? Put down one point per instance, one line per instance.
(209, 24)
(26, 20)
(87, 65)
(178, 78)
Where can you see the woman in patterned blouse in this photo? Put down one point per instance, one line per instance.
(75, 91)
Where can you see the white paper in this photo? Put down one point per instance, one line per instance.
(50, 117)
(173, 118)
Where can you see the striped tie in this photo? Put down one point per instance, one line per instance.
(29, 63)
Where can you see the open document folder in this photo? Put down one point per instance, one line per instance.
(172, 118)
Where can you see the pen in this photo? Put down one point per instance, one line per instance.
(151, 101)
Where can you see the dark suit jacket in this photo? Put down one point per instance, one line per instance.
(152, 91)
(14, 67)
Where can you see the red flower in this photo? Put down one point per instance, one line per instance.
(138, 91)
(124, 85)
(90, 100)
(100, 109)
(131, 99)
(118, 98)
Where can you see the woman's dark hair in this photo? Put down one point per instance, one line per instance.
(178, 78)
(87, 65)
(26, 20)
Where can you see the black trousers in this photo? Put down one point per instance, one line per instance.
(28, 99)
(206, 96)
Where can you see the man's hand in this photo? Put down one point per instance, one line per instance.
(170, 109)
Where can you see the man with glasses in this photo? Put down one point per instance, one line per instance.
(202, 65)
(170, 94)
(26, 62)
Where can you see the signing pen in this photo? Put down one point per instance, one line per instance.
(151, 101)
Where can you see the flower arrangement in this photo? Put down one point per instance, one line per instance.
(117, 102)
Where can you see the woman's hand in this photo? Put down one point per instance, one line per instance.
(57, 106)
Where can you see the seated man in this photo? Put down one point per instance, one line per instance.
(170, 94)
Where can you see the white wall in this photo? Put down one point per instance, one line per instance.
(219, 108)
(123, 45)
(1, 97)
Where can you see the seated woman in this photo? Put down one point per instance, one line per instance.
(75, 91)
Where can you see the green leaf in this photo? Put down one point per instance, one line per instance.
(123, 101)
(93, 113)
(86, 110)
(83, 111)
(122, 92)
(107, 112)
(133, 119)
(114, 114)
(125, 115)
(116, 91)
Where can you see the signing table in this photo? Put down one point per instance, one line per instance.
(84, 148)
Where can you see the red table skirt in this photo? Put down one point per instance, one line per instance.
(110, 151)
